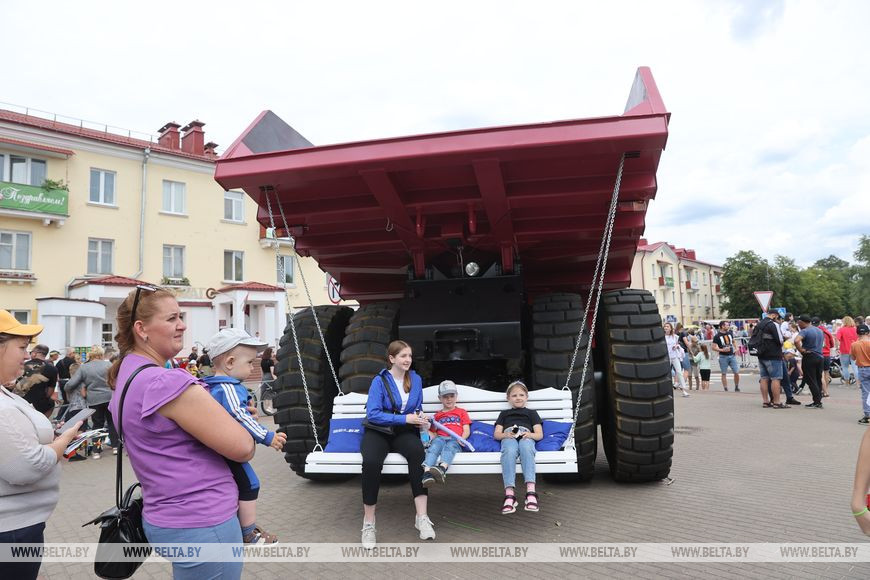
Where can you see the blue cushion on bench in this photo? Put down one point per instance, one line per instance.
(481, 437)
(555, 434)
(345, 436)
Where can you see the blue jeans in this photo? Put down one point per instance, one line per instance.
(769, 369)
(446, 447)
(29, 535)
(864, 379)
(786, 382)
(510, 448)
(846, 366)
(728, 360)
(229, 532)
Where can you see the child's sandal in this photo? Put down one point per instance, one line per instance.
(531, 501)
(510, 504)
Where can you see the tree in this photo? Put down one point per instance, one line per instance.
(861, 277)
(840, 290)
(743, 274)
(823, 294)
(786, 284)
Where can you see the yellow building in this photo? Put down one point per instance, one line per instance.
(86, 214)
(686, 289)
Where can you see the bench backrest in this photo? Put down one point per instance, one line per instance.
(551, 404)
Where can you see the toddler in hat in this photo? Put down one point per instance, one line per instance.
(444, 446)
(233, 352)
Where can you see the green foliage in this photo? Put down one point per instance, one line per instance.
(743, 274)
(830, 288)
(49, 184)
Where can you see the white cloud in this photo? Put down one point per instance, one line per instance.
(768, 147)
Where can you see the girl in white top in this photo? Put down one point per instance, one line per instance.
(675, 354)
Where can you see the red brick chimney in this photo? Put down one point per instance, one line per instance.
(169, 136)
(210, 149)
(194, 138)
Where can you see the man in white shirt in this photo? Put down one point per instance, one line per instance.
(787, 387)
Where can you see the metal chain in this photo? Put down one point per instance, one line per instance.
(594, 290)
(292, 322)
(310, 301)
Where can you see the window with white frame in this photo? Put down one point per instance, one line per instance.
(100, 256)
(14, 250)
(173, 261)
(174, 197)
(108, 332)
(102, 186)
(286, 269)
(654, 271)
(234, 265)
(21, 169)
(234, 206)
(22, 316)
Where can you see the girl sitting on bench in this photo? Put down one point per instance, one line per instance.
(518, 428)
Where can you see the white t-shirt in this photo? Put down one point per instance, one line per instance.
(405, 397)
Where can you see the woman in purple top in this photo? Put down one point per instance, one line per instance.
(176, 435)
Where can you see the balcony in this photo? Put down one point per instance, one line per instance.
(691, 284)
(718, 289)
(44, 203)
(17, 277)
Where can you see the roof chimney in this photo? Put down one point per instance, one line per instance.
(210, 148)
(193, 139)
(169, 136)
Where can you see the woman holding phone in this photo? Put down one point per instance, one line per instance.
(394, 411)
(29, 453)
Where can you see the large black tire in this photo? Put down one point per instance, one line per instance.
(363, 353)
(292, 409)
(638, 415)
(555, 325)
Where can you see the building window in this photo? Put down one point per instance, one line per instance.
(24, 170)
(108, 333)
(102, 186)
(14, 250)
(100, 256)
(654, 272)
(173, 261)
(174, 197)
(286, 269)
(705, 278)
(234, 206)
(22, 316)
(233, 265)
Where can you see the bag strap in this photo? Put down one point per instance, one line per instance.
(119, 427)
(396, 409)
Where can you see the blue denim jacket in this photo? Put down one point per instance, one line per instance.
(379, 409)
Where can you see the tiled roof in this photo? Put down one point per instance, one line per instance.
(252, 286)
(105, 136)
(110, 281)
(36, 146)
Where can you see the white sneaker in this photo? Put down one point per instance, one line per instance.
(424, 524)
(95, 456)
(369, 535)
(685, 394)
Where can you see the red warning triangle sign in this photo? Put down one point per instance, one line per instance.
(764, 297)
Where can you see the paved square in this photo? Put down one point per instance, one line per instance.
(741, 474)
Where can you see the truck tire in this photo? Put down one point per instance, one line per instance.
(290, 403)
(363, 352)
(638, 413)
(555, 324)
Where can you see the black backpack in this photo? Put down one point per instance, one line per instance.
(763, 342)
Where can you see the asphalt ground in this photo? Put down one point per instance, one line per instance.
(740, 474)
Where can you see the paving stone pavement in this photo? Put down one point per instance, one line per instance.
(741, 474)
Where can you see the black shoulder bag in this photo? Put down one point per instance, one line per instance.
(385, 429)
(122, 523)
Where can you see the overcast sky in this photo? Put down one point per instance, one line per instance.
(769, 145)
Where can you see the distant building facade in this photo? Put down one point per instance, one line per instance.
(686, 289)
(87, 214)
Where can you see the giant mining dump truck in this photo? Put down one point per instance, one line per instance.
(485, 250)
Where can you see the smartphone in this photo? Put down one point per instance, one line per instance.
(80, 416)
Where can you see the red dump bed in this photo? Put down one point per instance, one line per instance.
(537, 195)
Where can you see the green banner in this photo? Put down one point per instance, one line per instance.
(33, 198)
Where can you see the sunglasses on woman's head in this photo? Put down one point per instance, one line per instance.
(139, 289)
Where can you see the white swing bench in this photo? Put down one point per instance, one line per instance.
(551, 404)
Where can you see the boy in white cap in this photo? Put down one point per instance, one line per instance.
(233, 352)
(443, 445)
